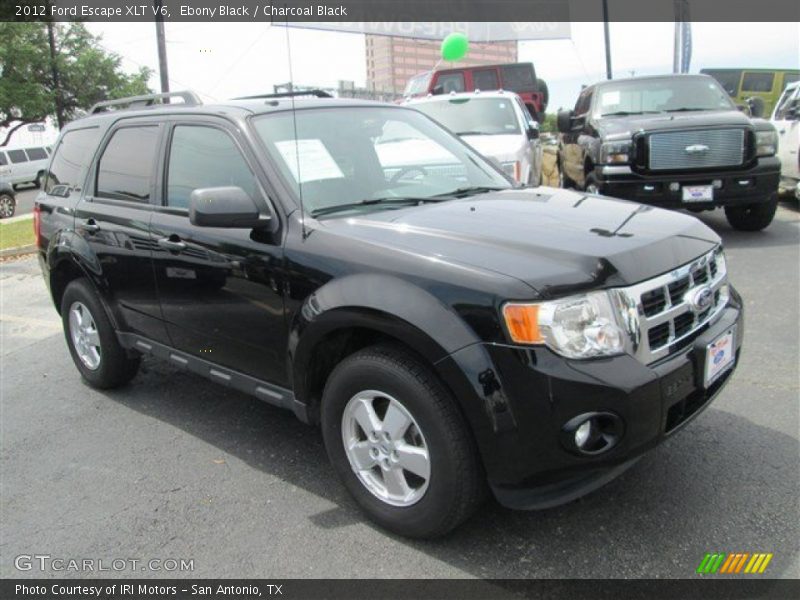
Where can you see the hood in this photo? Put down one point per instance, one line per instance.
(503, 147)
(669, 121)
(557, 241)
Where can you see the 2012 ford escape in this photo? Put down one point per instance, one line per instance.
(449, 332)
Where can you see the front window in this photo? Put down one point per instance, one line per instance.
(336, 156)
(474, 116)
(661, 95)
(418, 84)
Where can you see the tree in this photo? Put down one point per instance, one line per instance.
(549, 124)
(35, 84)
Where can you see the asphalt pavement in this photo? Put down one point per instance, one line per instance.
(25, 198)
(173, 466)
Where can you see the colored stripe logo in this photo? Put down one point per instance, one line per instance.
(734, 563)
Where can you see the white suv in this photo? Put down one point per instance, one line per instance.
(24, 165)
(496, 124)
(786, 118)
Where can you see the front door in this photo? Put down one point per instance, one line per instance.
(788, 126)
(220, 289)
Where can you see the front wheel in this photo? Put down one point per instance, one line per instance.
(752, 217)
(399, 444)
(92, 342)
(8, 206)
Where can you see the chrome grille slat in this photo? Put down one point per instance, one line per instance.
(669, 149)
(659, 332)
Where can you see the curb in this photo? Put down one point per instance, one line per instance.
(17, 218)
(18, 251)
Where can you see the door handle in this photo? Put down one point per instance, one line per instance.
(90, 226)
(172, 243)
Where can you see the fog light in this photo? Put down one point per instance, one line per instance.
(717, 183)
(582, 433)
(674, 186)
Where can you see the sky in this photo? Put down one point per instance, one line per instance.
(225, 60)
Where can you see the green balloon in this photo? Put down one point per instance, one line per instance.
(455, 46)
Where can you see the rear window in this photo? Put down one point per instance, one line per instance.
(789, 78)
(729, 80)
(36, 153)
(17, 156)
(519, 78)
(125, 171)
(450, 82)
(70, 161)
(757, 82)
(3, 159)
(485, 79)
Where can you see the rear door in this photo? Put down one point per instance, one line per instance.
(114, 220)
(20, 169)
(5, 168)
(221, 290)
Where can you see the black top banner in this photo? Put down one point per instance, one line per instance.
(511, 11)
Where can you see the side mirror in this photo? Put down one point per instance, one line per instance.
(533, 130)
(793, 112)
(228, 207)
(437, 90)
(564, 121)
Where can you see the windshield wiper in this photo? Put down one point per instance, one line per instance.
(462, 192)
(387, 200)
(689, 108)
(625, 113)
(472, 133)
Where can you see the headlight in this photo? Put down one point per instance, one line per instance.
(616, 153)
(575, 327)
(512, 169)
(766, 143)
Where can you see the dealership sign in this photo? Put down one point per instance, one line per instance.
(475, 31)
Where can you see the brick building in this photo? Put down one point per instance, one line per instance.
(391, 61)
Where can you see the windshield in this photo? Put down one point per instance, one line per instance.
(473, 116)
(418, 84)
(661, 95)
(354, 154)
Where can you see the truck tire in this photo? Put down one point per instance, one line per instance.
(91, 339)
(752, 217)
(541, 84)
(399, 443)
(39, 183)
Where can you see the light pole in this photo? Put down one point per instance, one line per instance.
(162, 47)
(607, 39)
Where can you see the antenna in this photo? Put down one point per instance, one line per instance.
(296, 141)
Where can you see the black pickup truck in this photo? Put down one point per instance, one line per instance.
(361, 266)
(674, 141)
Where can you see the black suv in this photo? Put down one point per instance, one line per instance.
(358, 264)
(674, 141)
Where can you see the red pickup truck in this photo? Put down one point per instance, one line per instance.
(514, 77)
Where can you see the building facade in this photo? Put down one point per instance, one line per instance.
(392, 61)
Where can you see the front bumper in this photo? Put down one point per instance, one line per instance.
(756, 184)
(530, 467)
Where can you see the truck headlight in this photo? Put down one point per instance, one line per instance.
(766, 143)
(576, 327)
(616, 153)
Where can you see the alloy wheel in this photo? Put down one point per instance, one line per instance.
(386, 448)
(6, 206)
(84, 334)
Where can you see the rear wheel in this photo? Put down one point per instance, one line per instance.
(8, 206)
(92, 342)
(752, 217)
(40, 181)
(399, 443)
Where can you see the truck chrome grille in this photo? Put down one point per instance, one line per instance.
(665, 314)
(700, 149)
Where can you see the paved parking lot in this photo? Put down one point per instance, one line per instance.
(173, 466)
(25, 199)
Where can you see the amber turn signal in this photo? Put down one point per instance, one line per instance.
(522, 321)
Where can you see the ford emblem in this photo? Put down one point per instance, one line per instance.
(697, 149)
(700, 299)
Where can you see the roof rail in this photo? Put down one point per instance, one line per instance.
(315, 93)
(189, 99)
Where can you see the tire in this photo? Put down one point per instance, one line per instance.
(564, 181)
(113, 367)
(752, 217)
(39, 183)
(389, 378)
(8, 206)
(591, 186)
(541, 84)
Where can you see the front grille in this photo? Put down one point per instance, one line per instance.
(664, 314)
(696, 149)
